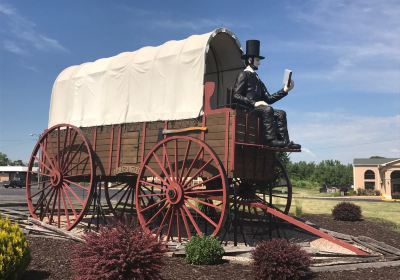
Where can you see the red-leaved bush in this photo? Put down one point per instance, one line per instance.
(277, 259)
(347, 211)
(119, 252)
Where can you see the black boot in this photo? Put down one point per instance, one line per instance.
(293, 145)
(282, 130)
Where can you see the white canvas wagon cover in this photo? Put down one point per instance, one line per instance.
(150, 84)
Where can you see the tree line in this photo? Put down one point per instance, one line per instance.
(329, 173)
(4, 161)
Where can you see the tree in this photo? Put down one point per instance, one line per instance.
(284, 158)
(4, 160)
(18, 162)
(331, 173)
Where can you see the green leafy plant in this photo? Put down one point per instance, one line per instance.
(351, 193)
(298, 207)
(204, 250)
(346, 211)
(119, 252)
(14, 251)
(277, 259)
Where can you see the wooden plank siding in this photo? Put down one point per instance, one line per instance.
(121, 145)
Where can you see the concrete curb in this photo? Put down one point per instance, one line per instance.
(355, 266)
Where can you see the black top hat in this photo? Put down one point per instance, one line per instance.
(252, 49)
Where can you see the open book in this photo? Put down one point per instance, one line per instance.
(287, 77)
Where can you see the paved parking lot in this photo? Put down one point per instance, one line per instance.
(11, 195)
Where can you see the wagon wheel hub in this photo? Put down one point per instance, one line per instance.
(174, 193)
(56, 178)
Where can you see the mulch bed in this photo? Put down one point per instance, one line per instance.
(50, 257)
(377, 230)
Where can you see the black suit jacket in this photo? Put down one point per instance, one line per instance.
(249, 89)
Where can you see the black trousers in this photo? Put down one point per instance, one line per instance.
(274, 123)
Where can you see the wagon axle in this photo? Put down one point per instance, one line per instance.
(175, 193)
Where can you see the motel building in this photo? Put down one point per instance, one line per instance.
(378, 174)
(14, 173)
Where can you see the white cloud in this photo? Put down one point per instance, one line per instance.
(13, 47)
(344, 136)
(358, 40)
(21, 35)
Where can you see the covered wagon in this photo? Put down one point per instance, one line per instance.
(155, 131)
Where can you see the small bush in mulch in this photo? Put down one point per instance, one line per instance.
(278, 259)
(204, 250)
(346, 211)
(119, 252)
(14, 251)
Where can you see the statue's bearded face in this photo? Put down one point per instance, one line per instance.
(257, 62)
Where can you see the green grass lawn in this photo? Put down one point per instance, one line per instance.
(301, 192)
(387, 211)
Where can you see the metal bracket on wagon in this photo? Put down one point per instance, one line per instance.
(181, 130)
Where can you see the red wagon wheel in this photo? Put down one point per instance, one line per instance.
(60, 176)
(277, 192)
(180, 181)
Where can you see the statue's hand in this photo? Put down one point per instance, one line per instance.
(291, 86)
(260, 103)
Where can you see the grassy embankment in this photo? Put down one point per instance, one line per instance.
(386, 211)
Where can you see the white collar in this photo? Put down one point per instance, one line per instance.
(248, 68)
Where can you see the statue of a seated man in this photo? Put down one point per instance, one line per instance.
(251, 92)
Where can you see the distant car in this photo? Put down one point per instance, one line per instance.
(14, 184)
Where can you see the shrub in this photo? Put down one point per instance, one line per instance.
(204, 250)
(361, 192)
(14, 251)
(351, 192)
(119, 252)
(299, 207)
(278, 259)
(346, 211)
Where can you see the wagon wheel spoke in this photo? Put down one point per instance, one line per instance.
(40, 191)
(65, 209)
(168, 161)
(176, 208)
(176, 159)
(64, 178)
(192, 165)
(168, 176)
(162, 224)
(188, 145)
(203, 182)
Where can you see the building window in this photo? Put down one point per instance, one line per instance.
(369, 175)
(369, 185)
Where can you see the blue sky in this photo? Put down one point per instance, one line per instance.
(345, 56)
